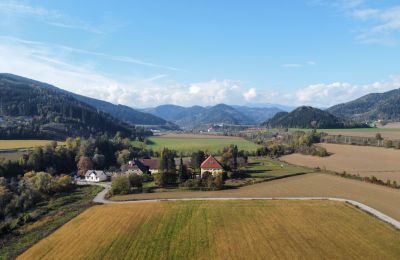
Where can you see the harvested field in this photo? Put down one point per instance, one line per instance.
(191, 143)
(387, 133)
(221, 230)
(381, 198)
(363, 160)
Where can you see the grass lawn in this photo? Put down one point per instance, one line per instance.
(260, 169)
(221, 230)
(52, 214)
(192, 144)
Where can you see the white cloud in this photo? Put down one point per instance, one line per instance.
(299, 65)
(326, 95)
(52, 17)
(250, 94)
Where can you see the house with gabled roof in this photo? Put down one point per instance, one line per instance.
(95, 176)
(211, 165)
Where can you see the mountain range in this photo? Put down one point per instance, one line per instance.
(120, 112)
(195, 116)
(374, 106)
(34, 110)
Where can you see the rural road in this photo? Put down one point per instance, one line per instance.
(100, 198)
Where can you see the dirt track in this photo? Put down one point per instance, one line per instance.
(384, 199)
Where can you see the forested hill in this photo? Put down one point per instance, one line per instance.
(373, 106)
(31, 110)
(121, 112)
(308, 117)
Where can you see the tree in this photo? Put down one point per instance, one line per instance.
(196, 159)
(182, 172)
(123, 156)
(98, 161)
(84, 164)
(167, 168)
(120, 185)
(136, 180)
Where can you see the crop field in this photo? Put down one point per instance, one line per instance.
(221, 230)
(366, 161)
(19, 144)
(381, 198)
(191, 143)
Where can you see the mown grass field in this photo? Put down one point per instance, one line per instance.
(191, 143)
(50, 215)
(221, 230)
(263, 168)
(18, 144)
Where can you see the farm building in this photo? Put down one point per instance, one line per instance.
(136, 167)
(95, 176)
(211, 165)
(151, 164)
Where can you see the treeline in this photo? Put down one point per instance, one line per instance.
(296, 142)
(77, 155)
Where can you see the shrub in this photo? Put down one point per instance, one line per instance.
(136, 180)
(120, 185)
(388, 144)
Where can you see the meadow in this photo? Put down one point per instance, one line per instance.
(221, 230)
(379, 197)
(366, 161)
(259, 169)
(192, 143)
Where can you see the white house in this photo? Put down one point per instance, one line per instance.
(95, 176)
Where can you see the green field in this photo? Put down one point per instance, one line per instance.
(264, 168)
(221, 230)
(192, 143)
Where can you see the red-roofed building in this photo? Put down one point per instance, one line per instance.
(211, 165)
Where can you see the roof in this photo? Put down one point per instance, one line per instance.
(95, 172)
(136, 164)
(211, 163)
(151, 163)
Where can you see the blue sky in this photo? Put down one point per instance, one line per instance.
(146, 53)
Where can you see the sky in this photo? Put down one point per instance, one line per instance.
(147, 53)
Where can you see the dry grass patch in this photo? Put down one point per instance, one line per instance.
(221, 230)
(363, 160)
